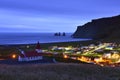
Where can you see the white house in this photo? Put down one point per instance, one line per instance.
(109, 47)
(31, 56)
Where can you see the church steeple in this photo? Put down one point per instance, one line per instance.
(38, 48)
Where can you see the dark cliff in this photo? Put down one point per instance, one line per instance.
(100, 28)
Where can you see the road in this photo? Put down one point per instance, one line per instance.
(100, 47)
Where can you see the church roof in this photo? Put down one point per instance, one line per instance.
(31, 54)
(34, 53)
(38, 46)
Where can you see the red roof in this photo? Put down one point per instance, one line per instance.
(34, 53)
(31, 54)
(38, 46)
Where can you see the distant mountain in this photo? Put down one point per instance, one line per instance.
(100, 28)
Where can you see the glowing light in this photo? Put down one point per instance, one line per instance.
(101, 65)
(13, 56)
(28, 46)
(112, 65)
(65, 56)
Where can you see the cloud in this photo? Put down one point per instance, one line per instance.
(52, 15)
(66, 7)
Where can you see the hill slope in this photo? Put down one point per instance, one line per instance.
(59, 71)
(100, 28)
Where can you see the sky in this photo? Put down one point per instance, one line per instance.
(53, 15)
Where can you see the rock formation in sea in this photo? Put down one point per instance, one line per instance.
(108, 27)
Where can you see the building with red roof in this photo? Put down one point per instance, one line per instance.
(31, 56)
(38, 48)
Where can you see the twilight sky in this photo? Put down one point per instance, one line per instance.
(52, 15)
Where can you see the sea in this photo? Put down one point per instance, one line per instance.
(32, 38)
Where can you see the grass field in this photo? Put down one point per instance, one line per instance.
(7, 50)
(58, 71)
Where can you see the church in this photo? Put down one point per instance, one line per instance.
(37, 54)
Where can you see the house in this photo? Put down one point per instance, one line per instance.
(109, 48)
(31, 56)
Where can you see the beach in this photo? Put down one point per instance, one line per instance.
(32, 38)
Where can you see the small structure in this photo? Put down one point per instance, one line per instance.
(109, 48)
(63, 34)
(31, 56)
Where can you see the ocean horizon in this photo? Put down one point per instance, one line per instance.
(31, 38)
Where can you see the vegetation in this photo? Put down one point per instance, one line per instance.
(70, 70)
(7, 50)
(92, 55)
(59, 71)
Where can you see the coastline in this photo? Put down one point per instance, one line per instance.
(65, 43)
(13, 48)
(32, 38)
(7, 50)
(52, 43)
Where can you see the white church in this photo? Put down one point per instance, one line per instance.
(31, 56)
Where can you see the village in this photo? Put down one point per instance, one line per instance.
(103, 54)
